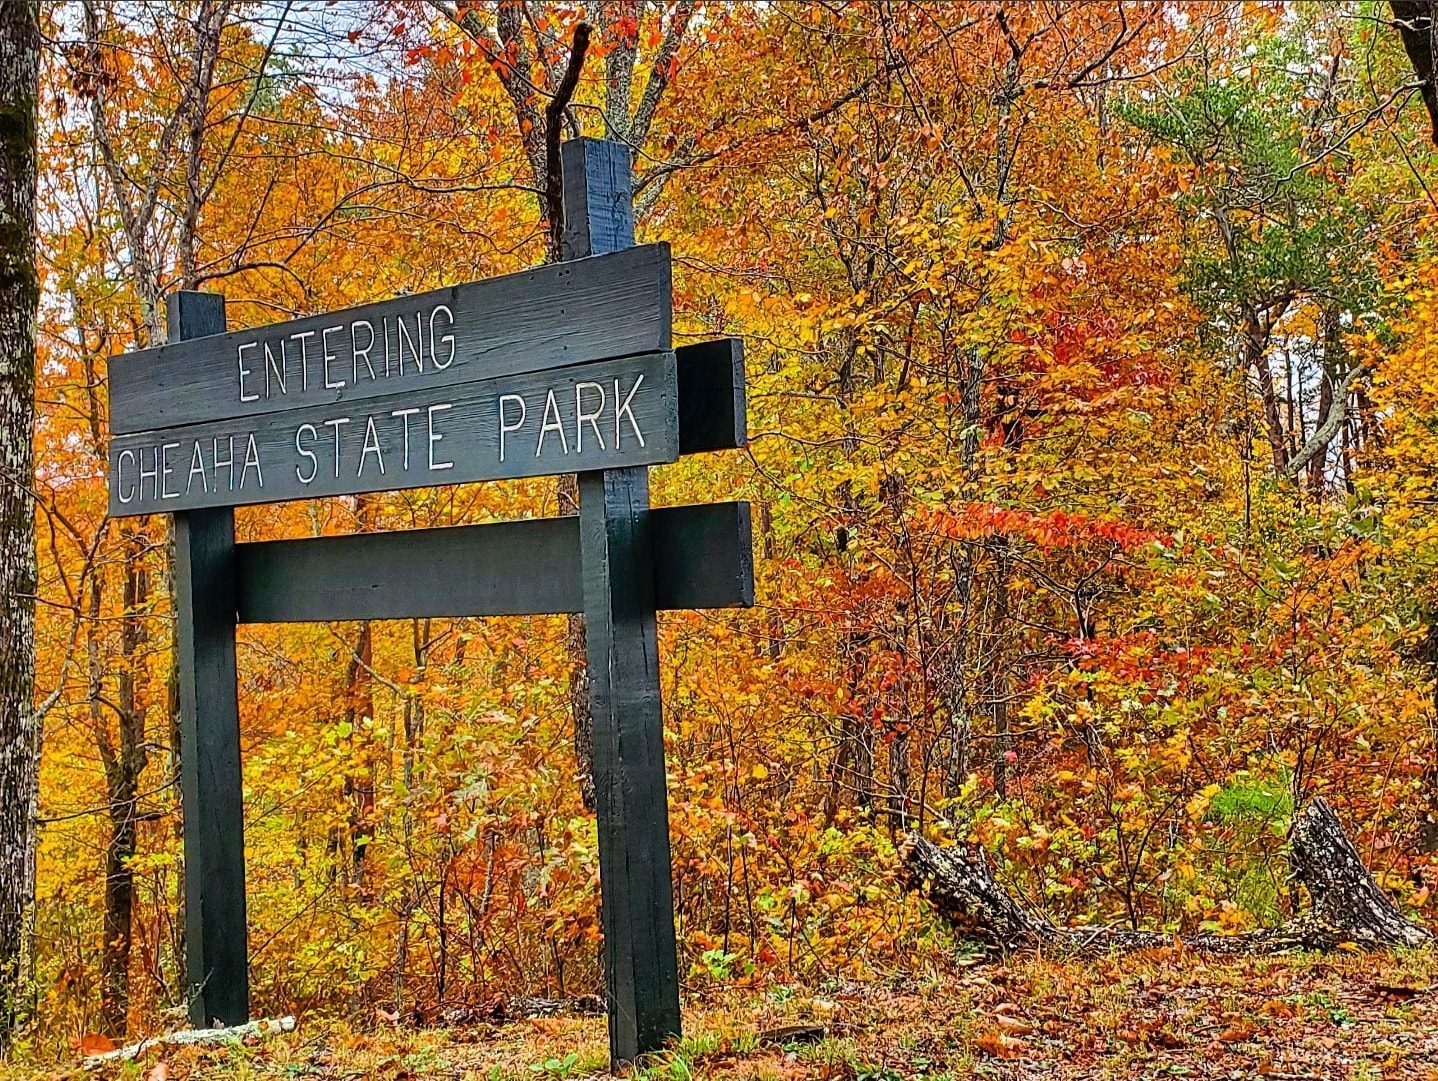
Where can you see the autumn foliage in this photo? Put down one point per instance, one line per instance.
(1092, 400)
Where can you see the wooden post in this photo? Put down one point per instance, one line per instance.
(216, 966)
(616, 551)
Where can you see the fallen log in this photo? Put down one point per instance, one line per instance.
(1347, 907)
(192, 1037)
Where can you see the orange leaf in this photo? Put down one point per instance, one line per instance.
(997, 1044)
(94, 1043)
(1238, 1032)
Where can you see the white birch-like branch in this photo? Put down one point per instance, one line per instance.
(273, 1026)
(1327, 428)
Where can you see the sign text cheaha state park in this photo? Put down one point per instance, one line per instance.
(510, 377)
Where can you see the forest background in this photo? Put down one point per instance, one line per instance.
(1093, 390)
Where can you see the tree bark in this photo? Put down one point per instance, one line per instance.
(1347, 905)
(568, 492)
(1418, 25)
(140, 206)
(1318, 463)
(124, 762)
(1333, 408)
(19, 301)
(1255, 347)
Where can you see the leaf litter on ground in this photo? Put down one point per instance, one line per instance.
(1162, 1013)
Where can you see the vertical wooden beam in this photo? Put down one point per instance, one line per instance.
(216, 954)
(616, 552)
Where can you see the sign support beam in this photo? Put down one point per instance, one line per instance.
(641, 966)
(703, 558)
(566, 368)
(216, 953)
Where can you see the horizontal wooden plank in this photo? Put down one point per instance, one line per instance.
(549, 317)
(712, 412)
(703, 558)
(604, 415)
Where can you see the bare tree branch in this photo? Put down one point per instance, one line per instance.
(553, 122)
(660, 72)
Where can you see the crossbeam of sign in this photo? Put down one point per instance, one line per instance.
(567, 368)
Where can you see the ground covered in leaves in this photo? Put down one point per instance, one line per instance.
(1159, 1014)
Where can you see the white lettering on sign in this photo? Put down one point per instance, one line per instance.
(306, 431)
(552, 423)
(126, 496)
(435, 437)
(227, 464)
(505, 427)
(155, 472)
(401, 339)
(359, 351)
(269, 368)
(197, 468)
(625, 411)
(521, 426)
(330, 357)
(556, 420)
(245, 372)
(336, 425)
(581, 418)
(371, 446)
(446, 340)
(303, 337)
(252, 461)
(404, 415)
(167, 470)
(279, 369)
(152, 474)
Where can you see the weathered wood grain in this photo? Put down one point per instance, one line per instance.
(712, 409)
(703, 558)
(549, 317)
(211, 789)
(609, 413)
(616, 542)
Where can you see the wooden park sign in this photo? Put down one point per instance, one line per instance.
(567, 368)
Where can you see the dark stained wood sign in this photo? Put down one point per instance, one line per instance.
(509, 377)
(602, 415)
(550, 317)
(568, 368)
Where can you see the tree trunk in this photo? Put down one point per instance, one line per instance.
(360, 780)
(1418, 25)
(119, 913)
(1347, 905)
(1317, 465)
(1256, 358)
(19, 299)
(996, 675)
(124, 762)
